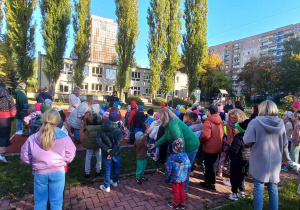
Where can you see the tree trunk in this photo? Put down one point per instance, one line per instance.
(52, 85)
(121, 94)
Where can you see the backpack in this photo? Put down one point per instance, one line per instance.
(36, 123)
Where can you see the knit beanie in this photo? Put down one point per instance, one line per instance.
(177, 145)
(114, 116)
(133, 104)
(156, 115)
(103, 106)
(150, 112)
(289, 114)
(296, 104)
(95, 109)
(162, 105)
(48, 101)
(38, 107)
(138, 135)
(45, 107)
(141, 108)
(182, 110)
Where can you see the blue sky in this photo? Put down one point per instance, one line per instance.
(246, 18)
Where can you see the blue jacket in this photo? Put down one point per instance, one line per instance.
(177, 167)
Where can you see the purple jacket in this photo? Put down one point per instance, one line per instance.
(47, 161)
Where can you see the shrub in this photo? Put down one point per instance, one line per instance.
(193, 98)
(288, 101)
(157, 101)
(177, 101)
(134, 98)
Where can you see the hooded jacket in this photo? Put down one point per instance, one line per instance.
(212, 134)
(109, 137)
(153, 129)
(132, 114)
(90, 132)
(141, 148)
(21, 99)
(74, 102)
(43, 96)
(139, 119)
(177, 168)
(296, 134)
(75, 118)
(196, 126)
(270, 146)
(238, 151)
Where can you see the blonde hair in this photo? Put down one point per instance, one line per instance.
(241, 116)
(165, 116)
(50, 119)
(22, 85)
(267, 108)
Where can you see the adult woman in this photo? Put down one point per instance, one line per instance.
(48, 151)
(267, 136)
(254, 112)
(295, 146)
(7, 112)
(238, 105)
(174, 129)
(21, 99)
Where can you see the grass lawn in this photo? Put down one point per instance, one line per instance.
(16, 178)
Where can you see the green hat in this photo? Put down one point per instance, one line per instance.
(242, 126)
(45, 107)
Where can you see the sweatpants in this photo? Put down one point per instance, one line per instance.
(210, 169)
(237, 176)
(178, 193)
(141, 167)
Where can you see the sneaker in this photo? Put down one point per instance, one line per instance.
(233, 197)
(105, 189)
(3, 159)
(97, 174)
(20, 132)
(284, 168)
(87, 176)
(227, 182)
(172, 205)
(148, 154)
(144, 178)
(155, 159)
(139, 181)
(225, 169)
(115, 184)
(242, 194)
(182, 206)
(72, 135)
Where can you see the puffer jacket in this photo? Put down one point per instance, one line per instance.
(138, 119)
(109, 137)
(177, 167)
(7, 107)
(21, 99)
(74, 102)
(238, 151)
(153, 129)
(75, 119)
(196, 126)
(90, 132)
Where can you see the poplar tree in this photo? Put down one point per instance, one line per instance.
(1, 16)
(127, 14)
(82, 26)
(194, 45)
(56, 19)
(20, 31)
(157, 44)
(173, 34)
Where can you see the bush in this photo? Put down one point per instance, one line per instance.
(193, 98)
(177, 101)
(134, 98)
(288, 102)
(157, 101)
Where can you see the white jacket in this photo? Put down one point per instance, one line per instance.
(153, 129)
(74, 102)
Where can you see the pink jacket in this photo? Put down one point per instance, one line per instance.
(47, 161)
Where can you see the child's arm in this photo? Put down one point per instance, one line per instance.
(168, 171)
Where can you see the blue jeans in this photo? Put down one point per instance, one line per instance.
(77, 134)
(191, 156)
(19, 125)
(50, 186)
(116, 163)
(259, 195)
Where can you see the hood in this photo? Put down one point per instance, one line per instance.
(197, 122)
(103, 106)
(215, 119)
(59, 134)
(3, 92)
(141, 108)
(270, 123)
(179, 157)
(18, 88)
(108, 125)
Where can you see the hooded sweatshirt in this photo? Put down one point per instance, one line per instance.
(270, 147)
(212, 134)
(177, 167)
(21, 99)
(32, 115)
(141, 147)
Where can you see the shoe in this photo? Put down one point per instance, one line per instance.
(97, 174)
(115, 184)
(20, 132)
(87, 176)
(72, 134)
(284, 168)
(227, 182)
(242, 195)
(154, 159)
(208, 186)
(148, 154)
(105, 189)
(139, 181)
(225, 169)
(182, 206)
(3, 159)
(144, 179)
(233, 197)
(172, 205)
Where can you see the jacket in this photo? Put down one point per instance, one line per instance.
(177, 129)
(196, 126)
(47, 161)
(127, 118)
(289, 130)
(212, 134)
(90, 132)
(138, 119)
(148, 122)
(111, 100)
(131, 116)
(141, 148)
(75, 118)
(296, 134)
(228, 107)
(267, 136)
(43, 96)
(109, 137)
(238, 151)
(153, 129)
(177, 167)
(74, 102)
(21, 99)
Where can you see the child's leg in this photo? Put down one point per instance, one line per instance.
(139, 168)
(144, 167)
(182, 193)
(156, 154)
(242, 178)
(176, 192)
(88, 157)
(99, 160)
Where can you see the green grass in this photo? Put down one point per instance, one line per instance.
(13, 127)
(288, 199)
(16, 178)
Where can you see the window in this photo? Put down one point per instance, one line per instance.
(109, 88)
(136, 90)
(253, 41)
(111, 74)
(64, 88)
(244, 43)
(248, 52)
(68, 68)
(249, 48)
(146, 91)
(298, 30)
(85, 72)
(146, 77)
(177, 79)
(249, 41)
(176, 93)
(252, 52)
(84, 87)
(136, 76)
(96, 87)
(97, 72)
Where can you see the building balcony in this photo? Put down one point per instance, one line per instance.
(265, 39)
(263, 46)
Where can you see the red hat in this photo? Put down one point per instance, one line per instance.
(162, 105)
(133, 104)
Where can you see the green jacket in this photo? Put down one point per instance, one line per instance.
(175, 129)
(21, 99)
(90, 133)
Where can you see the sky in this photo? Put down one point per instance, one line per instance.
(227, 20)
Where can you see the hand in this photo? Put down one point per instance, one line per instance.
(151, 146)
(108, 151)
(108, 157)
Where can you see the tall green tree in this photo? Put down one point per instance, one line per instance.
(1, 15)
(56, 19)
(82, 26)
(194, 45)
(21, 31)
(127, 14)
(157, 44)
(173, 34)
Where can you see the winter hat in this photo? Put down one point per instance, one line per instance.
(296, 104)
(177, 145)
(138, 135)
(204, 117)
(196, 111)
(289, 114)
(178, 106)
(150, 112)
(95, 109)
(212, 108)
(45, 107)
(114, 116)
(103, 106)
(220, 108)
(162, 105)
(38, 107)
(141, 108)
(106, 115)
(188, 111)
(48, 101)
(182, 109)
(133, 104)
(242, 126)
(156, 115)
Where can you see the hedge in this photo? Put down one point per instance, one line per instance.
(157, 101)
(134, 98)
(288, 101)
(177, 101)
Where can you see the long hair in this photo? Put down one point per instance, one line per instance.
(241, 116)
(166, 115)
(50, 119)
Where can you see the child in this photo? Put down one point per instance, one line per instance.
(186, 119)
(141, 155)
(239, 155)
(138, 120)
(288, 123)
(134, 110)
(149, 120)
(176, 171)
(126, 122)
(152, 132)
(196, 124)
(104, 107)
(182, 111)
(296, 138)
(34, 119)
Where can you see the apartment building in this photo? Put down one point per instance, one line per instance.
(236, 53)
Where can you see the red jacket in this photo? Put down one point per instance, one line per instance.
(212, 134)
(132, 114)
